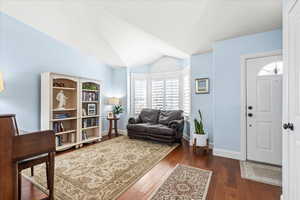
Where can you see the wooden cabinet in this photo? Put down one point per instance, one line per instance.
(71, 106)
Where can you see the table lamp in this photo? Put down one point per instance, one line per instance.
(1, 82)
(113, 101)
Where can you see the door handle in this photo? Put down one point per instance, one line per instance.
(250, 107)
(250, 114)
(288, 126)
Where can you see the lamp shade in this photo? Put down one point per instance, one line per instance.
(1, 82)
(113, 101)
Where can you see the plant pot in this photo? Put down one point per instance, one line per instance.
(117, 116)
(201, 140)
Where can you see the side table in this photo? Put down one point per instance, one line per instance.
(113, 124)
(204, 148)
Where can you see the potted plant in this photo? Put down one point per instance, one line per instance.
(200, 135)
(118, 110)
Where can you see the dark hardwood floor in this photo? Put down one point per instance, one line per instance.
(226, 182)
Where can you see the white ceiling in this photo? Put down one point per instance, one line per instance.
(136, 32)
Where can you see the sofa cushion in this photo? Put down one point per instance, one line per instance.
(159, 129)
(165, 116)
(138, 127)
(148, 115)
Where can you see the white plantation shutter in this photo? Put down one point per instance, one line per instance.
(157, 94)
(140, 95)
(186, 95)
(165, 91)
(172, 94)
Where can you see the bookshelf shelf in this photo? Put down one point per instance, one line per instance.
(87, 90)
(91, 139)
(82, 108)
(64, 119)
(65, 132)
(63, 110)
(90, 102)
(90, 116)
(64, 88)
(91, 127)
(65, 146)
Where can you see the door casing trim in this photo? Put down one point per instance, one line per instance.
(243, 98)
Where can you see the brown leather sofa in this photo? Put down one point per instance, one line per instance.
(159, 125)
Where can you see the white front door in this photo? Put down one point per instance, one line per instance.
(291, 187)
(264, 109)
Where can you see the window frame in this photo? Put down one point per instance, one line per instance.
(148, 76)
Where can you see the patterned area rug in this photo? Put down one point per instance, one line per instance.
(102, 171)
(184, 183)
(261, 173)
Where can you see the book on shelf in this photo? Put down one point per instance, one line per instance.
(84, 135)
(58, 127)
(89, 122)
(90, 96)
(61, 115)
(59, 140)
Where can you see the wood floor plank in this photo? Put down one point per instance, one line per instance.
(226, 182)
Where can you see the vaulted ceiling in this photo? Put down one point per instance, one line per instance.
(136, 32)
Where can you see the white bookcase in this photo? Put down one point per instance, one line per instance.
(79, 122)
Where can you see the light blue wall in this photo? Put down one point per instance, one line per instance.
(202, 67)
(25, 53)
(120, 91)
(227, 58)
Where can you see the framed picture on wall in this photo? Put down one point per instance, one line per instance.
(202, 85)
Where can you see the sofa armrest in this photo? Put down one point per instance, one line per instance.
(133, 120)
(176, 124)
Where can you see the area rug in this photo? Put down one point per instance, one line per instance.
(261, 172)
(184, 183)
(102, 171)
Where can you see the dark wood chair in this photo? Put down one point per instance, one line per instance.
(30, 162)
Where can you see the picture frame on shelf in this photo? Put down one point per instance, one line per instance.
(91, 109)
(202, 85)
(110, 115)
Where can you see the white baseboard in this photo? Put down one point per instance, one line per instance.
(186, 138)
(227, 154)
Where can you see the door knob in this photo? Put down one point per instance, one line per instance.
(250, 107)
(250, 114)
(288, 126)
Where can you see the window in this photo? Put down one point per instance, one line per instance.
(157, 94)
(140, 95)
(165, 91)
(172, 94)
(275, 68)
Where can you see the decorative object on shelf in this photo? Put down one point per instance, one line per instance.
(89, 96)
(118, 110)
(1, 82)
(89, 86)
(62, 99)
(200, 135)
(110, 115)
(92, 109)
(58, 84)
(202, 85)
